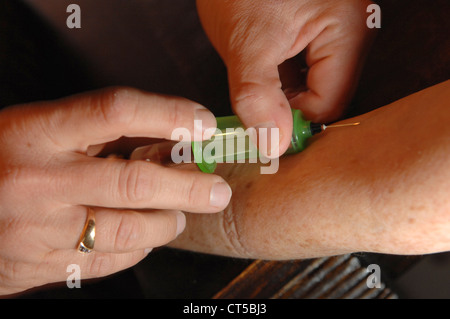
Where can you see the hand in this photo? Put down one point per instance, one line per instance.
(260, 43)
(47, 183)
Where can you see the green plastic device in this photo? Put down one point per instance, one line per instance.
(232, 130)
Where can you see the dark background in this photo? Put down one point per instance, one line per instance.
(159, 46)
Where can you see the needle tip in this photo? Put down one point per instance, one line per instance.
(324, 127)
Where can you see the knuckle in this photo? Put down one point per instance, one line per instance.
(133, 182)
(167, 232)
(17, 179)
(11, 177)
(192, 193)
(128, 232)
(116, 106)
(176, 115)
(8, 181)
(101, 265)
(248, 94)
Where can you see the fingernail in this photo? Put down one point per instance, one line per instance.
(181, 222)
(204, 120)
(220, 195)
(268, 137)
(147, 250)
(94, 150)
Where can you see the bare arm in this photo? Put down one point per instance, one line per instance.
(383, 186)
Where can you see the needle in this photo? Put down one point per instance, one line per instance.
(324, 127)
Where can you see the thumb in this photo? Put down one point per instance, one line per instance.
(259, 102)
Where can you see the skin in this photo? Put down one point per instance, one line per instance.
(382, 186)
(48, 181)
(261, 46)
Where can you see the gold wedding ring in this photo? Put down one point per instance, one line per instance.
(87, 238)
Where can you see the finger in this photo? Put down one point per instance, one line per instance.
(98, 117)
(117, 231)
(259, 101)
(118, 183)
(335, 60)
(67, 265)
(96, 264)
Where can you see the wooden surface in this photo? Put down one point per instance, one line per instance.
(411, 53)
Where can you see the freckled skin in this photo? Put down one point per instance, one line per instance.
(382, 186)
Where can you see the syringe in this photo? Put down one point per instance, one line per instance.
(231, 143)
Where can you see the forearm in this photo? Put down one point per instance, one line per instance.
(382, 186)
